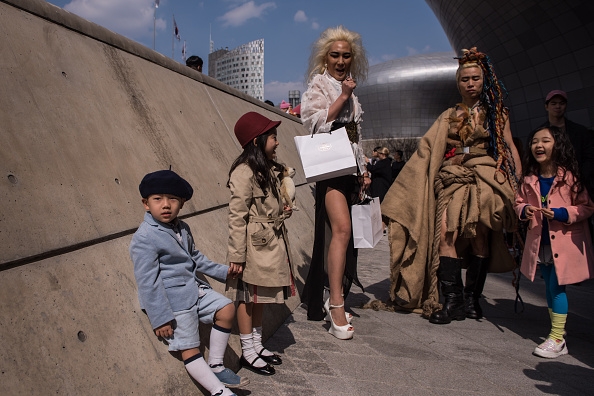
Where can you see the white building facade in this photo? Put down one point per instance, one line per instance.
(241, 68)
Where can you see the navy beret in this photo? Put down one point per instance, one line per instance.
(165, 182)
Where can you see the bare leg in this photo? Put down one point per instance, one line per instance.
(257, 311)
(340, 221)
(244, 317)
(224, 316)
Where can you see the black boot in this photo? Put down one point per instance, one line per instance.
(449, 275)
(476, 274)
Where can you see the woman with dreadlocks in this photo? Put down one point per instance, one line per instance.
(464, 174)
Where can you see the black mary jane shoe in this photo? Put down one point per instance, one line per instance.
(271, 359)
(266, 370)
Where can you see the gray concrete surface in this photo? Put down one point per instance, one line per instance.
(84, 115)
(403, 354)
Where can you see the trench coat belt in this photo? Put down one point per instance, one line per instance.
(276, 220)
(471, 150)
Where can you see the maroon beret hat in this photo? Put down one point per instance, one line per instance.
(251, 125)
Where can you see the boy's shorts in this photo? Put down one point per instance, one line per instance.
(185, 326)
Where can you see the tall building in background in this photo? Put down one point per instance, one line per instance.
(241, 68)
(294, 98)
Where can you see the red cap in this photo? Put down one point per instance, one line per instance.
(556, 92)
(251, 125)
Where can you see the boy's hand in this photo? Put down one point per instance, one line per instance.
(235, 270)
(164, 331)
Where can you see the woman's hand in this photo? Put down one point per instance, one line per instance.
(348, 86)
(235, 270)
(366, 181)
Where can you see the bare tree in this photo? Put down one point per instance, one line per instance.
(408, 145)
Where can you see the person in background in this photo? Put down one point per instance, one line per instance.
(397, 164)
(337, 61)
(195, 62)
(556, 205)
(286, 107)
(373, 158)
(381, 173)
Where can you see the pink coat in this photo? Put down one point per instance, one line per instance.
(571, 243)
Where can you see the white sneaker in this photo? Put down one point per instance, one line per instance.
(551, 349)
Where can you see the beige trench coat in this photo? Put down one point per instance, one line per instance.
(257, 233)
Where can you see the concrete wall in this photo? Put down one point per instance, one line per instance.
(84, 114)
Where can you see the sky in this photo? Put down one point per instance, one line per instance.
(390, 29)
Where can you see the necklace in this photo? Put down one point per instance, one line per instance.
(472, 111)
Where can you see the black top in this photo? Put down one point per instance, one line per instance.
(381, 178)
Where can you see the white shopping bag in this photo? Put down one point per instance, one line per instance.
(367, 224)
(326, 155)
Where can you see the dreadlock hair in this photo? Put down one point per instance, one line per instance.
(491, 99)
(563, 156)
(254, 157)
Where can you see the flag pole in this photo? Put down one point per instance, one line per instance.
(173, 37)
(154, 24)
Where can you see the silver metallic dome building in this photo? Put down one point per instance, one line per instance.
(535, 46)
(404, 96)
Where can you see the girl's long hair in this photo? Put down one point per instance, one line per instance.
(253, 155)
(563, 155)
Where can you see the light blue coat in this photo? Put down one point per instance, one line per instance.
(169, 271)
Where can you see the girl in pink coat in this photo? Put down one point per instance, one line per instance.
(557, 207)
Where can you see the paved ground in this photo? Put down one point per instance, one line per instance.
(403, 354)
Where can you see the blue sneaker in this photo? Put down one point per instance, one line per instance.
(230, 379)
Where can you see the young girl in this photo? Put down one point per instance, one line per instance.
(258, 246)
(554, 201)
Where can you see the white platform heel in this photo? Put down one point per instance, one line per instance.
(340, 332)
(347, 315)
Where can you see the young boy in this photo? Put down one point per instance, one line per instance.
(171, 290)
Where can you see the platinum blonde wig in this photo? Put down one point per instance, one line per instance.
(321, 47)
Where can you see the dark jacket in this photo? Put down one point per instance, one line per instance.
(396, 168)
(381, 178)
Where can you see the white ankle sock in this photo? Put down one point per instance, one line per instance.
(257, 336)
(219, 337)
(249, 352)
(199, 370)
(224, 392)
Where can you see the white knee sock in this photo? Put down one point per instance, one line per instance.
(199, 370)
(249, 352)
(219, 337)
(257, 336)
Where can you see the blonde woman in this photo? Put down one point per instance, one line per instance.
(336, 63)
